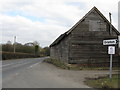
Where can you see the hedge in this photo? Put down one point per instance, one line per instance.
(11, 55)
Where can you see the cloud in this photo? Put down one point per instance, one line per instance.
(27, 30)
(119, 16)
(45, 20)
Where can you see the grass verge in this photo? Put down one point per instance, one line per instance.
(104, 82)
(56, 63)
(75, 66)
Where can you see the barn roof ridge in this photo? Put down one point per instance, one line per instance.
(94, 8)
(71, 29)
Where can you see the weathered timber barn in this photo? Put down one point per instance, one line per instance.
(83, 43)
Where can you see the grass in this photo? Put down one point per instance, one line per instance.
(63, 65)
(56, 63)
(105, 82)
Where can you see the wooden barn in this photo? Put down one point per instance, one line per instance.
(83, 43)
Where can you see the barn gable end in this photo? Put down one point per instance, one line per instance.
(83, 42)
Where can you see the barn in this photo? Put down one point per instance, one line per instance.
(83, 43)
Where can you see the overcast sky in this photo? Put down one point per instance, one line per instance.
(119, 16)
(45, 20)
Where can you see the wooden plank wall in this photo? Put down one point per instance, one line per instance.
(86, 45)
(60, 51)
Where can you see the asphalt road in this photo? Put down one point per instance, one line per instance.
(14, 67)
(10, 67)
(0, 74)
(32, 73)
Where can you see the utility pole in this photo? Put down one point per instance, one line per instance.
(110, 23)
(14, 43)
(111, 57)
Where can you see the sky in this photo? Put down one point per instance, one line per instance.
(119, 20)
(45, 20)
(119, 16)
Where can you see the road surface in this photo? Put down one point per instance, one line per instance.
(10, 67)
(32, 73)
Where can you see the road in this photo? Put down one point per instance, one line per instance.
(32, 73)
(0, 74)
(10, 67)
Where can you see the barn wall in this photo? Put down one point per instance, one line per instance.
(60, 51)
(86, 41)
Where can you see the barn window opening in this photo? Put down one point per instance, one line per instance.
(97, 25)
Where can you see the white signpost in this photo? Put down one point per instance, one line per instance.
(111, 51)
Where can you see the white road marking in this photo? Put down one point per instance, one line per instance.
(17, 65)
(33, 65)
(21, 64)
(17, 74)
(12, 64)
(7, 65)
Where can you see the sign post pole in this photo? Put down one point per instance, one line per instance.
(111, 51)
(110, 66)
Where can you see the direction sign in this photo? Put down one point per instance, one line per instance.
(110, 42)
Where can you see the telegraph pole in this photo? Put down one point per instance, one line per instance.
(111, 56)
(14, 43)
(110, 23)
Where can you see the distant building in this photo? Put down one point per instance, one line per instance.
(29, 44)
(83, 43)
(9, 42)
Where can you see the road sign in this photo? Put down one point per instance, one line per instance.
(110, 42)
(111, 50)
